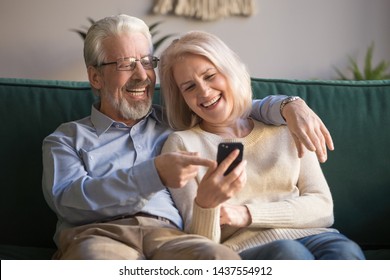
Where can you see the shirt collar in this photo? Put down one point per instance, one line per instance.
(102, 123)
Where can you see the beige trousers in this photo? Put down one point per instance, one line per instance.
(137, 238)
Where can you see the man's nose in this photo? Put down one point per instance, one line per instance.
(139, 72)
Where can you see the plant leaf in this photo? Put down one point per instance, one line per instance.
(380, 71)
(81, 33)
(341, 75)
(158, 43)
(154, 33)
(154, 26)
(370, 73)
(355, 69)
(368, 62)
(91, 20)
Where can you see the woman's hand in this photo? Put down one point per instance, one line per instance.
(215, 188)
(235, 215)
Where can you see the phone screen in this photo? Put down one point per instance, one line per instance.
(224, 149)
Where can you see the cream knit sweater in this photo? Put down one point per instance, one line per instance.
(287, 197)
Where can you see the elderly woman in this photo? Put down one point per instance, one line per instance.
(273, 205)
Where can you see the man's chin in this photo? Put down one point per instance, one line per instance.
(136, 110)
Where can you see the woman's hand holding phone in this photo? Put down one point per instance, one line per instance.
(224, 180)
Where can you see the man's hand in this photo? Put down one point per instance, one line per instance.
(177, 168)
(307, 129)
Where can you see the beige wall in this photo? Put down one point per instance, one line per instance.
(300, 39)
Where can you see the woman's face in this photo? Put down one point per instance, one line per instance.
(204, 88)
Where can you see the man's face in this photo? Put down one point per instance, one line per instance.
(126, 96)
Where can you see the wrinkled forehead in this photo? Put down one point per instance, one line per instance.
(126, 45)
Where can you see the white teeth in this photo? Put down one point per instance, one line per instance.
(211, 102)
(136, 92)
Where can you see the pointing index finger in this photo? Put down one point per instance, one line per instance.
(197, 160)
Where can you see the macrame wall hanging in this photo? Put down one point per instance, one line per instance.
(206, 10)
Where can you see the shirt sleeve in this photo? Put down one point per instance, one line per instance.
(267, 110)
(78, 198)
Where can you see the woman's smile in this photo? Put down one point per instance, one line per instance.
(212, 102)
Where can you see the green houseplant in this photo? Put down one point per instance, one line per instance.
(379, 72)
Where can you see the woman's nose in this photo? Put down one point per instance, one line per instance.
(205, 89)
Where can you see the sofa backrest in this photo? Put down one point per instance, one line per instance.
(358, 171)
(29, 111)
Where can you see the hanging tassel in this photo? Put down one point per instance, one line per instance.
(206, 10)
(163, 7)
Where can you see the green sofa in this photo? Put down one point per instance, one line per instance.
(358, 171)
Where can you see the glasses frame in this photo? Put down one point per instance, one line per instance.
(133, 63)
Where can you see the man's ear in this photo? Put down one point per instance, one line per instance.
(95, 77)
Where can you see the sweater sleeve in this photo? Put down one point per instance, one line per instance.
(205, 222)
(196, 220)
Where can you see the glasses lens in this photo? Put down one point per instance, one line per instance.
(126, 64)
(154, 61)
(129, 63)
(147, 62)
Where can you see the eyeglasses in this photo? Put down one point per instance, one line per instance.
(128, 63)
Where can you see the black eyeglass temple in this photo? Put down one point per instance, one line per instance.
(107, 63)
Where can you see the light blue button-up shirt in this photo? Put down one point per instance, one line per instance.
(96, 168)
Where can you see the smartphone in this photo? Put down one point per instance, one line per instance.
(224, 149)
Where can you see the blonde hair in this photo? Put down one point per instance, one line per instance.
(226, 61)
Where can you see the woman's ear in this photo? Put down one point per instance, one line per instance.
(95, 77)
